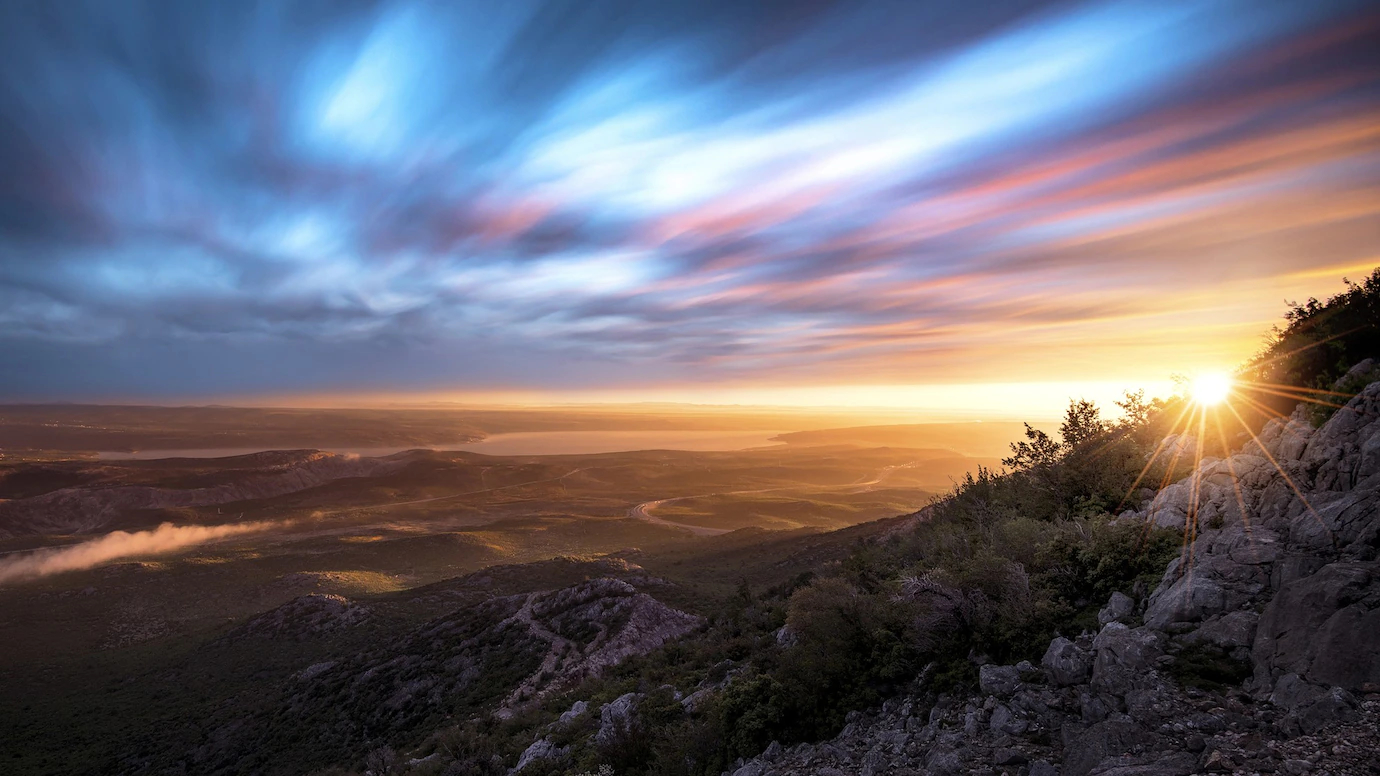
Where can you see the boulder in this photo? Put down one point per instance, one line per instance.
(576, 709)
(1345, 451)
(1087, 748)
(772, 752)
(1118, 609)
(998, 680)
(944, 762)
(1008, 756)
(1121, 656)
(541, 749)
(1065, 663)
(1231, 630)
(1223, 571)
(1155, 764)
(1324, 627)
(615, 717)
(1309, 706)
(1004, 721)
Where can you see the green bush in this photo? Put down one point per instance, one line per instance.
(1319, 343)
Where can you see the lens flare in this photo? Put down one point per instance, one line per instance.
(1211, 388)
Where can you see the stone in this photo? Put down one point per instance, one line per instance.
(1065, 663)
(1008, 756)
(1093, 708)
(998, 680)
(1218, 763)
(1222, 571)
(1086, 748)
(873, 762)
(1331, 705)
(943, 761)
(576, 709)
(1003, 721)
(1043, 768)
(1118, 609)
(615, 717)
(1180, 764)
(1321, 627)
(1122, 656)
(541, 749)
(1233, 629)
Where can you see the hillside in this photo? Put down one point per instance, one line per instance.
(1225, 623)
(1257, 652)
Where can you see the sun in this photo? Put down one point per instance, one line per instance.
(1211, 388)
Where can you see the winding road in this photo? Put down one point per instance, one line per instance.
(643, 511)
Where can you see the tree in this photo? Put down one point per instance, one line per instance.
(1136, 408)
(1039, 450)
(1082, 422)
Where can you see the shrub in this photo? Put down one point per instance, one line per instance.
(1319, 343)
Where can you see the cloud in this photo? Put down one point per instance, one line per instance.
(120, 544)
(398, 195)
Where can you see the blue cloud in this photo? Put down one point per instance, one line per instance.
(294, 196)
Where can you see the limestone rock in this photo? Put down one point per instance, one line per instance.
(1085, 749)
(1065, 663)
(1228, 631)
(615, 717)
(304, 618)
(1121, 655)
(1118, 609)
(1324, 627)
(576, 709)
(541, 749)
(1222, 572)
(999, 680)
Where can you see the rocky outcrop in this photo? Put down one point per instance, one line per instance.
(1128, 718)
(505, 653)
(307, 617)
(541, 749)
(1325, 627)
(1280, 573)
(1066, 663)
(1283, 571)
(588, 628)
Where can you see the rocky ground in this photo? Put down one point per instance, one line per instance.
(1279, 576)
(503, 652)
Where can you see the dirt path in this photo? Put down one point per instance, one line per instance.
(558, 647)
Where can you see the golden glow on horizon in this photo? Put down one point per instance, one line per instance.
(1033, 400)
(1211, 388)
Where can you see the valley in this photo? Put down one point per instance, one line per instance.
(119, 570)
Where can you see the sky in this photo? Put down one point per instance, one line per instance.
(714, 201)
